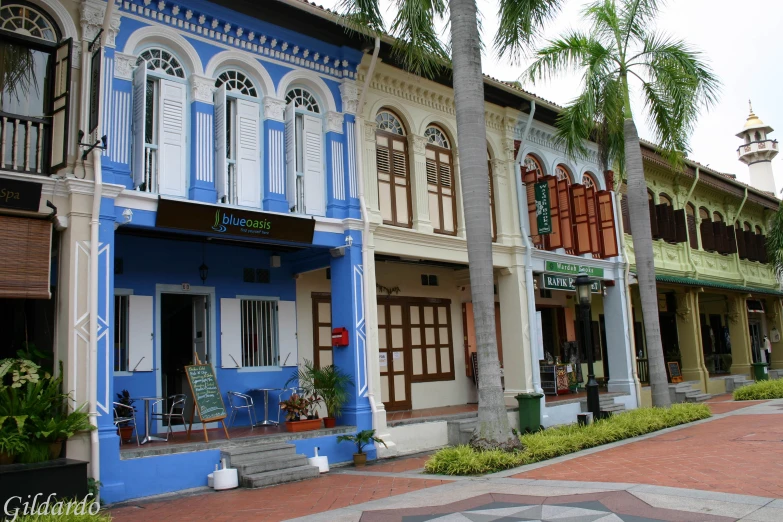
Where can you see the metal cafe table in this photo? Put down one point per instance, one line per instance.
(147, 402)
(266, 421)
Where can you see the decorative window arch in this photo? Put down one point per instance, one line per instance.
(589, 180)
(704, 214)
(748, 227)
(717, 217)
(28, 20)
(533, 164)
(163, 61)
(440, 181)
(302, 99)
(664, 199)
(690, 216)
(562, 173)
(436, 136)
(758, 230)
(238, 82)
(391, 158)
(757, 136)
(389, 122)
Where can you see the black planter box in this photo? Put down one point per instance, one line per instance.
(62, 478)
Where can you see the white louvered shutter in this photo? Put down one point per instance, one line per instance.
(314, 182)
(230, 333)
(172, 147)
(286, 333)
(290, 154)
(221, 152)
(140, 337)
(248, 153)
(139, 112)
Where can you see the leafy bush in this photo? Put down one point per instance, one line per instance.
(562, 440)
(759, 391)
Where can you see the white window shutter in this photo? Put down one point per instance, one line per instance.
(172, 147)
(61, 101)
(286, 333)
(230, 333)
(290, 154)
(140, 314)
(221, 166)
(248, 153)
(139, 112)
(314, 178)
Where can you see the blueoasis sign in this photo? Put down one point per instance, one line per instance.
(197, 217)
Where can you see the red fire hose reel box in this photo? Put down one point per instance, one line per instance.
(339, 337)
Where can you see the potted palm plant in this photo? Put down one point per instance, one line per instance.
(361, 439)
(332, 384)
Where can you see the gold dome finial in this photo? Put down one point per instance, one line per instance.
(750, 105)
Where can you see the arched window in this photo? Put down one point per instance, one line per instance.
(757, 136)
(26, 20)
(532, 164)
(302, 99)
(665, 200)
(304, 143)
(162, 61)
(562, 173)
(588, 180)
(748, 227)
(690, 215)
(704, 214)
(391, 158)
(493, 221)
(440, 181)
(650, 195)
(717, 217)
(758, 230)
(238, 82)
(707, 230)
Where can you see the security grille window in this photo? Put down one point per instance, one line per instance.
(304, 142)
(237, 140)
(259, 332)
(35, 77)
(440, 182)
(391, 155)
(159, 124)
(121, 308)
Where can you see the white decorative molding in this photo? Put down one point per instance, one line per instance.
(334, 122)
(205, 143)
(124, 65)
(370, 128)
(92, 14)
(417, 143)
(349, 93)
(202, 89)
(274, 108)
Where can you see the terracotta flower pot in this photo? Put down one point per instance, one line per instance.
(55, 448)
(5, 458)
(126, 433)
(359, 459)
(303, 425)
(330, 422)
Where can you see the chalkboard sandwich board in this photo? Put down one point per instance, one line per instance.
(206, 397)
(674, 371)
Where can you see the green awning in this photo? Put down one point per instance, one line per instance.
(715, 284)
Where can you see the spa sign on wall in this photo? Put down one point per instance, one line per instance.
(212, 219)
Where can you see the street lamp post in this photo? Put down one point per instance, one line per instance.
(584, 296)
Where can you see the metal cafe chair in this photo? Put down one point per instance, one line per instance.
(240, 401)
(125, 415)
(176, 411)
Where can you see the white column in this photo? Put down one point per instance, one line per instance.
(419, 196)
(517, 325)
(618, 339)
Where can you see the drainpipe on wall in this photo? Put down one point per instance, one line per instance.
(736, 256)
(95, 468)
(688, 200)
(358, 126)
(531, 302)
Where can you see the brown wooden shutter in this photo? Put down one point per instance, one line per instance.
(761, 248)
(750, 245)
(656, 234)
(25, 261)
(592, 220)
(529, 178)
(662, 220)
(672, 232)
(555, 239)
(731, 240)
(582, 241)
(680, 226)
(626, 214)
(741, 248)
(565, 213)
(707, 242)
(61, 104)
(606, 223)
(693, 238)
(718, 233)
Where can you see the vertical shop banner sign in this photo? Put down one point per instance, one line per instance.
(543, 210)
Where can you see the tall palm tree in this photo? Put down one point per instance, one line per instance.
(621, 54)
(418, 47)
(775, 243)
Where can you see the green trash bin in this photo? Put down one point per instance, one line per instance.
(529, 411)
(761, 371)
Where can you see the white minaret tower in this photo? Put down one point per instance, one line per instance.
(757, 152)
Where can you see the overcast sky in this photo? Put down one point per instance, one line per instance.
(738, 38)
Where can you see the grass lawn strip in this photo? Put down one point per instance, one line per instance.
(760, 391)
(563, 440)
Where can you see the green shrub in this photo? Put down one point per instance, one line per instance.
(562, 440)
(759, 391)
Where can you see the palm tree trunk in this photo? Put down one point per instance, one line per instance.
(645, 268)
(493, 427)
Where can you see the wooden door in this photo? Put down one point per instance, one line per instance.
(322, 330)
(394, 355)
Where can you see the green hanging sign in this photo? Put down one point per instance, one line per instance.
(543, 210)
(564, 282)
(574, 269)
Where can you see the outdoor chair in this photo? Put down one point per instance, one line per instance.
(176, 411)
(240, 401)
(125, 415)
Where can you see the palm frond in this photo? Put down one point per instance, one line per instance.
(17, 71)
(362, 15)
(775, 243)
(636, 18)
(520, 23)
(418, 46)
(574, 50)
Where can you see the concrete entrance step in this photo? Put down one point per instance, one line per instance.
(734, 382)
(684, 392)
(775, 374)
(266, 464)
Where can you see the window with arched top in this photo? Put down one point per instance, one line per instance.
(650, 195)
(493, 221)
(704, 214)
(757, 136)
(391, 159)
(562, 173)
(717, 217)
(588, 180)
(162, 61)
(758, 230)
(440, 181)
(304, 144)
(532, 164)
(708, 240)
(28, 20)
(664, 199)
(237, 82)
(690, 216)
(747, 226)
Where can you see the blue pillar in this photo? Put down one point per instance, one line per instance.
(202, 150)
(351, 171)
(348, 312)
(117, 112)
(336, 204)
(274, 172)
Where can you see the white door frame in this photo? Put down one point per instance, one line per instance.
(208, 291)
